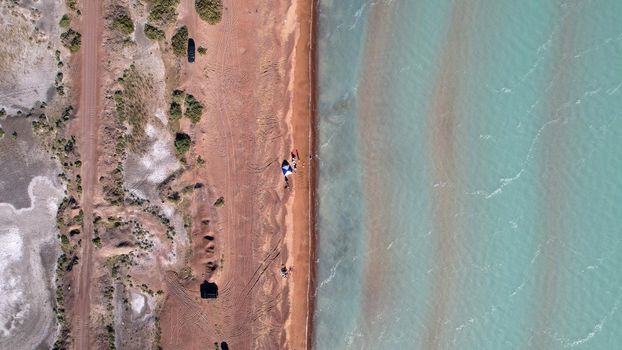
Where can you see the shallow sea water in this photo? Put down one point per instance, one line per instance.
(470, 189)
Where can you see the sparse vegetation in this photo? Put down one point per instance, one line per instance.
(124, 24)
(194, 109)
(153, 33)
(71, 4)
(163, 11)
(110, 334)
(132, 103)
(113, 189)
(59, 78)
(178, 94)
(65, 263)
(71, 40)
(179, 41)
(64, 22)
(182, 143)
(209, 10)
(201, 50)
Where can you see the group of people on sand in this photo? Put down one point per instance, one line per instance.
(295, 158)
(285, 271)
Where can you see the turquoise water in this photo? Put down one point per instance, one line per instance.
(470, 190)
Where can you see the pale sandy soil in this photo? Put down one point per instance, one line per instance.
(27, 65)
(255, 84)
(29, 187)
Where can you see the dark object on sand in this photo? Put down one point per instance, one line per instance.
(219, 202)
(191, 49)
(209, 290)
(224, 346)
(286, 168)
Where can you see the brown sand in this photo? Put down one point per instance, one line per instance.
(255, 83)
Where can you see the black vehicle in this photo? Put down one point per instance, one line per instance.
(191, 50)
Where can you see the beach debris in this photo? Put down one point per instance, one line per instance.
(295, 158)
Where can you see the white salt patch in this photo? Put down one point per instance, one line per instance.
(151, 131)
(159, 161)
(138, 303)
(10, 247)
(168, 210)
(12, 306)
(161, 116)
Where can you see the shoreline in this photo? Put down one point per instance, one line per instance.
(301, 207)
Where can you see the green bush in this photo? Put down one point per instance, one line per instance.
(124, 24)
(177, 94)
(202, 50)
(179, 41)
(175, 111)
(65, 21)
(71, 40)
(71, 4)
(194, 109)
(163, 11)
(182, 143)
(209, 10)
(153, 33)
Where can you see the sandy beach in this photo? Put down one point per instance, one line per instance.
(301, 209)
(256, 85)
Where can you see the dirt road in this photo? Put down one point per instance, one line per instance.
(88, 116)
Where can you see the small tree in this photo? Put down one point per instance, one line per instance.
(124, 24)
(175, 111)
(182, 143)
(209, 10)
(179, 41)
(153, 33)
(71, 40)
(194, 109)
(64, 22)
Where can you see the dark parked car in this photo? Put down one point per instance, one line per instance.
(191, 50)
